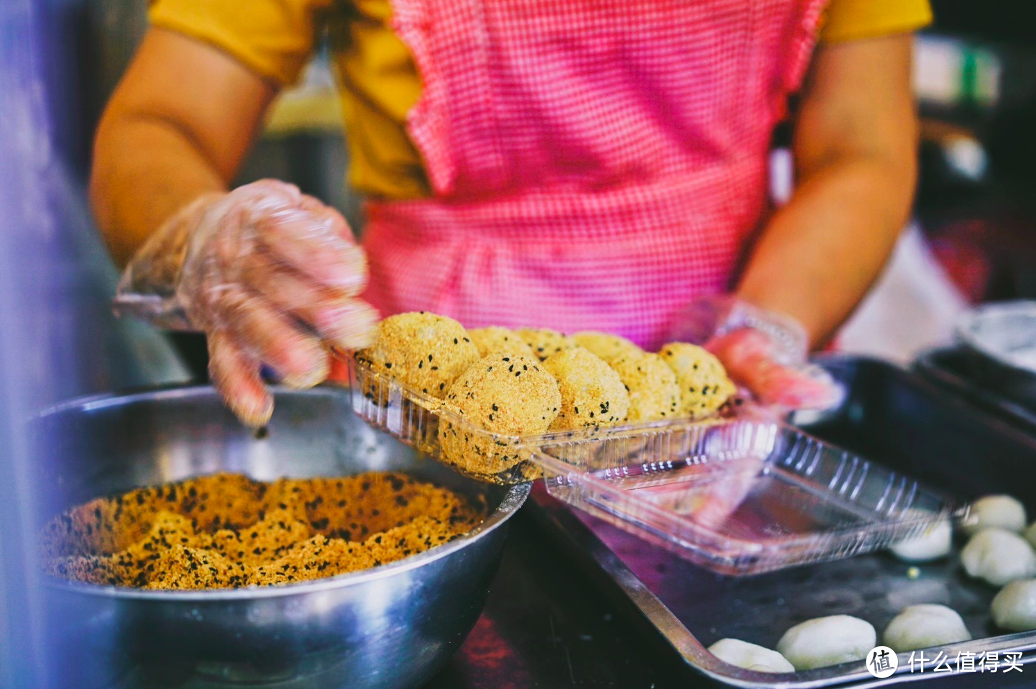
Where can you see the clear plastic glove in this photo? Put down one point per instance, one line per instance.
(269, 274)
(763, 351)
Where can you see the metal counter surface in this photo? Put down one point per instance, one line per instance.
(546, 624)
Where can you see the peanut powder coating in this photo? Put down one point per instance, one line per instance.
(592, 393)
(509, 394)
(704, 385)
(545, 342)
(421, 349)
(605, 345)
(496, 340)
(654, 393)
(228, 531)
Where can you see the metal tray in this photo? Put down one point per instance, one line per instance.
(900, 420)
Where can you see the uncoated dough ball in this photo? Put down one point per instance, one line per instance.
(750, 656)
(651, 384)
(592, 394)
(509, 394)
(606, 345)
(1030, 535)
(924, 626)
(935, 542)
(704, 385)
(996, 511)
(495, 340)
(827, 641)
(1014, 608)
(545, 342)
(422, 350)
(998, 557)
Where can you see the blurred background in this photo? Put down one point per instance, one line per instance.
(975, 77)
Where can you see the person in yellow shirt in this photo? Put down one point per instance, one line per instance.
(575, 164)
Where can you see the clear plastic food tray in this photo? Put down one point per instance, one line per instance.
(738, 495)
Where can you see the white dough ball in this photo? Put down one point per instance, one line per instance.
(750, 656)
(924, 626)
(827, 641)
(996, 512)
(998, 556)
(1014, 608)
(935, 542)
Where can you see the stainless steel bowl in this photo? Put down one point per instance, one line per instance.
(1001, 341)
(391, 626)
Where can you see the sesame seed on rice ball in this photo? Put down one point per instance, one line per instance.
(545, 342)
(654, 393)
(422, 350)
(592, 394)
(704, 385)
(507, 394)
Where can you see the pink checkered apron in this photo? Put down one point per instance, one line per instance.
(595, 163)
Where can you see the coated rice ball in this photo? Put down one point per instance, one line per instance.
(592, 393)
(496, 340)
(422, 350)
(508, 394)
(704, 385)
(545, 342)
(606, 345)
(653, 391)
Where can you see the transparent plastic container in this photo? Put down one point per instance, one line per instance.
(738, 495)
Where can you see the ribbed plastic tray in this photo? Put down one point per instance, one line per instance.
(738, 495)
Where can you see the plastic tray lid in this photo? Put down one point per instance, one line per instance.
(738, 495)
(744, 495)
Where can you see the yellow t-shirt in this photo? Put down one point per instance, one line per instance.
(377, 75)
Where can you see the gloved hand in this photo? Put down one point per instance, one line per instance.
(269, 274)
(763, 351)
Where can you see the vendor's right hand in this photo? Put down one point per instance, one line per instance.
(272, 277)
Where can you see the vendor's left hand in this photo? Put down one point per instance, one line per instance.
(762, 351)
(753, 359)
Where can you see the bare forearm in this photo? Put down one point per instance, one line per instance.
(178, 126)
(855, 154)
(144, 171)
(820, 253)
